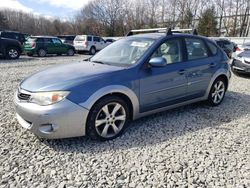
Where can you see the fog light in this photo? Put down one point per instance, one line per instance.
(47, 128)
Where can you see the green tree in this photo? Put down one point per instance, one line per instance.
(3, 22)
(207, 24)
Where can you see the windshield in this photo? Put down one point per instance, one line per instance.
(126, 51)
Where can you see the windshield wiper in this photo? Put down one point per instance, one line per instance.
(99, 62)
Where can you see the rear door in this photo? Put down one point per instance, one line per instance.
(97, 43)
(201, 66)
(49, 46)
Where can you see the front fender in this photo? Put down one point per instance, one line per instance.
(113, 89)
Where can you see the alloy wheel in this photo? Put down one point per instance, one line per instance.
(218, 92)
(110, 120)
(13, 53)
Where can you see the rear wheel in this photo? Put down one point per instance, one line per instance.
(108, 119)
(12, 53)
(92, 50)
(217, 92)
(41, 53)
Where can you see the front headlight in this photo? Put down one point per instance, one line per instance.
(48, 98)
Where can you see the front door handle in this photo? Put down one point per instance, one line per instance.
(212, 65)
(181, 72)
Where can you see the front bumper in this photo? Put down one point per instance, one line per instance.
(61, 120)
(240, 66)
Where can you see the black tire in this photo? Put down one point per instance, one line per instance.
(12, 53)
(217, 91)
(94, 132)
(71, 52)
(41, 52)
(92, 50)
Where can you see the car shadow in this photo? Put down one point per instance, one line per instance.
(20, 59)
(243, 75)
(164, 126)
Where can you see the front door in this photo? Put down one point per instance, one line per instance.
(164, 86)
(59, 47)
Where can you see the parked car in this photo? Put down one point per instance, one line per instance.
(241, 62)
(89, 43)
(109, 41)
(227, 46)
(43, 45)
(131, 78)
(10, 48)
(14, 35)
(67, 39)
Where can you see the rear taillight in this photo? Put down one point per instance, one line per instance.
(34, 45)
(86, 43)
(238, 50)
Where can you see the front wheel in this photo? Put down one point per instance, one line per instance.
(217, 92)
(71, 52)
(13, 53)
(108, 119)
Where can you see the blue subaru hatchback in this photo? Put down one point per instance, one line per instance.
(133, 77)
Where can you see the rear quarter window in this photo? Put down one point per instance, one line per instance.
(213, 48)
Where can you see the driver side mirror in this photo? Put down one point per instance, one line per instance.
(158, 62)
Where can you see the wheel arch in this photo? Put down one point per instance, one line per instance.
(121, 91)
(221, 73)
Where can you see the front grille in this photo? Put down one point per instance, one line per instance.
(23, 96)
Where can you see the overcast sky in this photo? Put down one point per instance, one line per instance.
(55, 8)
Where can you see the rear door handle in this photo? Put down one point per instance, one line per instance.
(212, 65)
(181, 72)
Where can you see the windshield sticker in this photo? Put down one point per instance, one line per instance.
(139, 44)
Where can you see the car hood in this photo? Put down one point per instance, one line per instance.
(65, 76)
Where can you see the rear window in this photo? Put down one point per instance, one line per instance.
(80, 38)
(196, 48)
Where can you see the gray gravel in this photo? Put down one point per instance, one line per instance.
(192, 146)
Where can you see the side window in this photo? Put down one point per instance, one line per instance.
(196, 49)
(47, 41)
(97, 39)
(212, 48)
(89, 38)
(170, 50)
(40, 40)
(56, 41)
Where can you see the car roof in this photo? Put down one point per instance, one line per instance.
(160, 35)
(48, 37)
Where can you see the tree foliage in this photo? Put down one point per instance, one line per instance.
(207, 23)
(117, 17)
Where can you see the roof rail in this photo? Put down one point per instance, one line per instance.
(168, 31)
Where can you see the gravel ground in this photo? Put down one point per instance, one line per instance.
(192, 146)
